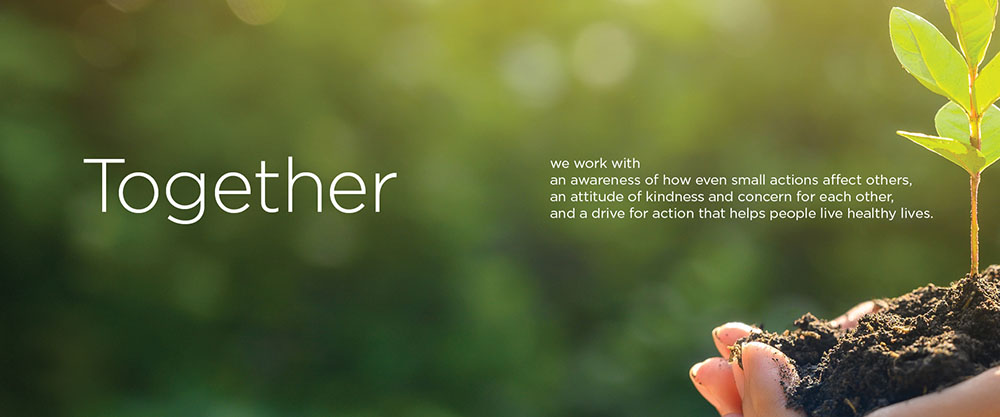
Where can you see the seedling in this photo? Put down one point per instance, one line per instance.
(968, 126)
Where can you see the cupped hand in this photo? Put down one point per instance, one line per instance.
(756, 389)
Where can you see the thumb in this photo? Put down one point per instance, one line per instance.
(766, 374)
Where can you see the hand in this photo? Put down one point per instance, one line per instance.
(756, 389)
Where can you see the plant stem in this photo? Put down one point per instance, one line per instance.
(974, 186)
(975, 138)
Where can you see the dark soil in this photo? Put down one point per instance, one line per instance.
(918, 343)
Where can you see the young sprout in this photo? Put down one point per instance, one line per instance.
(968, 126)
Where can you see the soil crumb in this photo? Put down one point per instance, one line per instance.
(918, 343)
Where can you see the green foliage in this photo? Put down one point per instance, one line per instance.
(991, 129)
(952, 123)
(928, 56)
(973, 21)
(988, 85)
(959, 152)
(931, 59)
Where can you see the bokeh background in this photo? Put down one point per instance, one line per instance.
(461, 298)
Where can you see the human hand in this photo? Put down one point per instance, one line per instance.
(756, 389)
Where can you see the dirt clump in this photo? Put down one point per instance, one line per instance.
(917, 343)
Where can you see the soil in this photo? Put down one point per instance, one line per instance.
(917, 343)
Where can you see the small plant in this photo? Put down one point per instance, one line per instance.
(968, 126)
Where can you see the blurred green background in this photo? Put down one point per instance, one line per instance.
(461, 298)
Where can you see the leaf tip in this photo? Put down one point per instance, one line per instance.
(896, 11)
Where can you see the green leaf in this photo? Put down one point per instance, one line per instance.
(991, 137)
(988, 85)
(952, 122)
(961, 153)
(973, 21)
(928, 56)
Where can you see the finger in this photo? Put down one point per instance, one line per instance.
(738, 378)
(850, 319)
(714, 380)
(727, 334)
(975, 397)
(766, 372)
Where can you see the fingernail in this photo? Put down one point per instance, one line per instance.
(694, 371)
(741, 327)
